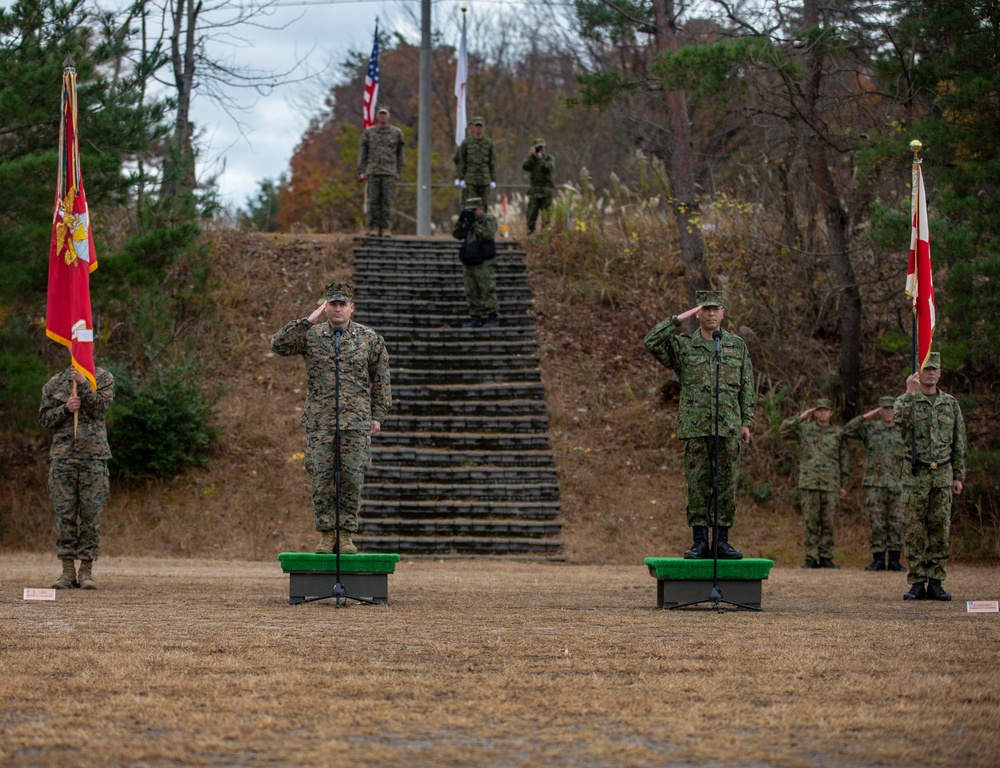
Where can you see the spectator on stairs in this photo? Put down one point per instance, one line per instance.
(477, 230)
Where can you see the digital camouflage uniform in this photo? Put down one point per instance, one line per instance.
(365, 395)
(476, 165)
(692, 358)
(883, 487)
(941, 455)
(480, 279)
(824, 468)
(78, 470)
(542, 187)
(380, 156)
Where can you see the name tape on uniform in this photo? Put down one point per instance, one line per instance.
(37, 593)
(982, 606)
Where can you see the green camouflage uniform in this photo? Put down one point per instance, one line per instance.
(365, 395)
(692, 359)
(824, 468)
(941, 454)
(78, 470)
(883, 462)
(480, 280)
(380, 156)
(542, 187)
(476, 165)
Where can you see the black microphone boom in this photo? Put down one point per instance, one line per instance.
(337, 333)
(717, 335)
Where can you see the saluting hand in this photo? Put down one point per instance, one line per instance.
(689, 313)
(317, 313)
(806, 413)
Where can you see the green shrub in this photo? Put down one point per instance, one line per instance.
(159, 426)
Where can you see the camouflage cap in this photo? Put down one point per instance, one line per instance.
(477, 121)
(473, 202)
(886, 402)
(382, 108)
(540, 143)
(822, 402)
(933, 360)
(709, 299)
(340, 292)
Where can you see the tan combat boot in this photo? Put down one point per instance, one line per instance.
(85, 577)
(68, 578)
(326, 542)
(347, 547)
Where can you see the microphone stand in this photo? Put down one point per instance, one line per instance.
(339, 591)
(716, 594)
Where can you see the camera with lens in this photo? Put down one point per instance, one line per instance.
(539, 148)
(467, 216)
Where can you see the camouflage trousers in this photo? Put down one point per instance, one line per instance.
(481, 191)
(79, 489)
(820, 511)
(355, 460)
(885, 517)
(698, 469)
(538, 205)
(481, 289)
(381, 194)
(928, 528)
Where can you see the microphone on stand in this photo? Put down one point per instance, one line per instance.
(337, 333)
(717, 335)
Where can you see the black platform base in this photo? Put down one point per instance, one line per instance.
(305, 584)
(671, 593)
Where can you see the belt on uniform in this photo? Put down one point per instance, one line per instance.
(928, 464)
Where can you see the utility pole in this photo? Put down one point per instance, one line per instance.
(424, 124)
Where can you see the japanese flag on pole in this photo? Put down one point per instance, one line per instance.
(919, 280)
(72, 257)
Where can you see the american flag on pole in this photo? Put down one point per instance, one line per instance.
(461, 76)
(371, 86)
(919, 280)
(72, 257)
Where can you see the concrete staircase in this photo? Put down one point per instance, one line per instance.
(463, 464)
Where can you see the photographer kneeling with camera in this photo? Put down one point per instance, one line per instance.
(477, 229)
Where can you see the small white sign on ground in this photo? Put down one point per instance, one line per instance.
(37, 593)
(982, 606)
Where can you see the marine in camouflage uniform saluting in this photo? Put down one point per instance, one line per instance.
(365, 399)
(692, 357)
(883, 487)
(542, 168)
(477, 229)
(380, 163)
(476, 165)
(930, 476)
(78, 469)
(824, 472)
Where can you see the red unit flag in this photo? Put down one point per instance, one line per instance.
(919, 280)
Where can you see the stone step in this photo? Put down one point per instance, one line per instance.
(464, 441)
(452, 527)
(426, 376)
(512, 390)
(386, 474)
(416, 508)
(456, 408)
(460, 362)
(380, 305)
(459, 545)
(495, 492)
(378, 318)
(393, 332)
(441, 457)
(406, 291)
(481, 346)
(439, 266)
(484, 425)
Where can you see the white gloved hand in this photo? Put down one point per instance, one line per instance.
(458, 182)
(463, 184)
(493, 185)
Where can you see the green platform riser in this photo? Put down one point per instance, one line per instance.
(677, 568)
(363, 562)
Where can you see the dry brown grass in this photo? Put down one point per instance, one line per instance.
(194, 662)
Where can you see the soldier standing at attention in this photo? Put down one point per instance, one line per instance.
(883, 463)
(477, 229)
(365, 398)
(930, 476)
(476, 165)
(542, 167)
(692, 357)
(824, 472)
(78, 471)
(380, 162)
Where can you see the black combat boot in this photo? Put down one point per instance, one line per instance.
(826, 562)
(935, 591)
(810, 563)
(894, 564)
(491, 322)
(877, 563)
(473, 322)
(699, 550)
(917, 592)
(726, 551)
